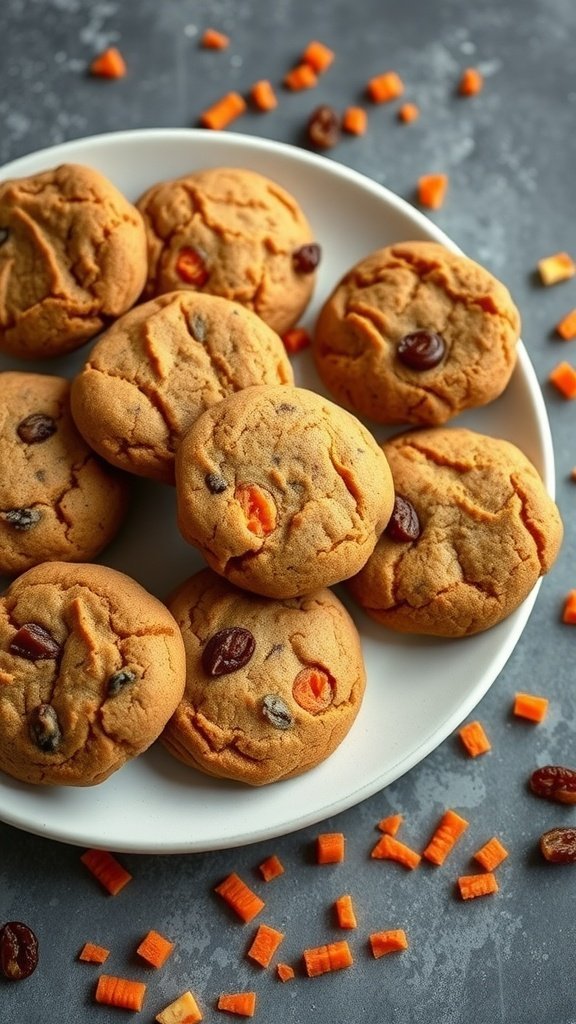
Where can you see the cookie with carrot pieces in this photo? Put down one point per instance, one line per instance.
(473, 529)
(92, 666)
(415, 333)
(160, 366)
(272, 687)
(58, 500)
(282, 490)
(72, 259)
(235, 233)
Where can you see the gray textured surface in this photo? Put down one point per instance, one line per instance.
(510, 155)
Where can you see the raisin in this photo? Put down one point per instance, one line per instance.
(45, 728)
(191, 268)
(18, 951)
(34, 642)
(323, 127)
(306, 258)
(421, 350)
(21, 518)
(277, 712)
(119, 680)
(198, 328)
(403, 524)
(228, 650)
(554, 783)
(215, 483)
(559, 845)
(36, 428)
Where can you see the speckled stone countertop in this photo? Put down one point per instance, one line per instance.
(510, 154)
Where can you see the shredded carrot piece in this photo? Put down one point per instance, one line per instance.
(240, 897)
(241, 1003)
(271, 868)
(471, 886)
(107, 870)
(558, 267)
(184, 1010)
(312, 690)
(386, 87)
(447, 833)
(566, 328)
(432, 190)
(212, 39)
(301, 77)
(109, 64)
(258, 507)
(122, 992)
(296, 339)
(333, 957)
(265, 944)
(318, 56)
(355, 121)
(526, 705)
(345, 912)
(569, 612)
(330, 848)
(491, 855)
(263, 96)
(388, 848)
(388, 942)
(155, 949)
(474, 739)
(391, 824)
(563, 377)
(223, 112)
(92, 954)
(285, 972)
(471, 82)
(408, 112)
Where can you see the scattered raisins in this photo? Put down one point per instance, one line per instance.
(323, 129)
(34, 642)
(18, 951)
(191, 268)
(21, 518)
(421, 350)
(228, 650)
(215, 483)
(307, 258)
(45, 728)
(403, 524)
(36, 428)
(277, 712)
(554, 783)
(559, 845)
(119, 680)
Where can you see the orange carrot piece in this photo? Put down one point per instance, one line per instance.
(388, 848)
(301, 77)
(474, 739)
(258, 507)
(471, 82)
(408, 112)
(296, 339)
(569, 612)
(93, 954)
(558, 267)
(385, 87)
(265, 944)
(155, 949)
(330, 848)
(241, 1003)
(271, 868)
(212, 39)
(318, 56)
(263, 96)
(109, 64)
(345, 912)
(491, 855)
(432, 190)
(240, 897)
(107, 870)
(285, 972)
(184, 1010)
(392, 941)
(471, 886)
(122, 992)
(566, 328)
(223, 112)
(447, 833)
(312, 690)
(333, 957)
(391, 824)
(355, 121)
(563, 377)
(526, 705)
(191, 268)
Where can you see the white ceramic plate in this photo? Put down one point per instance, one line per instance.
(419, 689)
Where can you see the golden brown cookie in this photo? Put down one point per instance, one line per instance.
(58, 501)
(92, 666)
(72, 258)
(272, 687)
(415, 334)
(472, 531)
(282, 491)
(157, 368)
(235, 233)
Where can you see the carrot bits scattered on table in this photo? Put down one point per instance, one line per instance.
(569, 610)
(122, 992)
(471, 886)
(474, 739)
(388, 848)
(345, 915)
(271, 868)
(563, 377)
(239, 897)
(330, 847)
(392, 941)
(355, 121)
(107, 870)
(432, 190)
(109, 64)
(301, 77)
(447, 833)
(285, 972)
(527, 705)
(391, 824)
(243, 1004)
(184, 1010)
(318, 56)
(264, 945)
(223, 111)
(155, 949)
(212, 39)
(385, 87)
(263, 96)
(491, 855)
(471, 82)
(408, 112)
(566, 328)
(335, 956)
(93, 954)
(556, 268)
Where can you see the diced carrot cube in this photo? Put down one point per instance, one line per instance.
(526, 705)
(432, 190)
(558, 267)
(355, 121)
(408, 112)
(569, 612)
(563, 377)
(318, 56)
(471, 82)
(212, 39)
(385, 87)
(471, 886)
(491, 855)
(388, 942)
(566, 328)
(474, 739)
(301, 77)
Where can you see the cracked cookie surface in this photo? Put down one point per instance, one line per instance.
(282, 491)
(288, 707)
(91, 668)
(160, 366)
(58, 500)
(390, 295)
(488, 531)
(230, 232)
(72, 258)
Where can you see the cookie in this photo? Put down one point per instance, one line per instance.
(235, 233)
(72, 258)
(92, 666)
(58, 500)
(415, 334)
(282, 491)
(472, 531)
(272, 687)
(162, 364)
